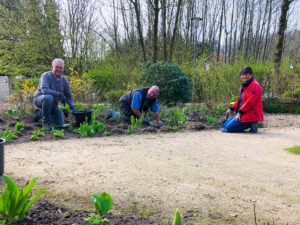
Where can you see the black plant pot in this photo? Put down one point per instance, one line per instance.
(82, 116)
(2, 141)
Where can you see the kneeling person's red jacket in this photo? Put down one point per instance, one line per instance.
(251, 104)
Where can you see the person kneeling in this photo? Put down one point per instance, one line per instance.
(248, 107)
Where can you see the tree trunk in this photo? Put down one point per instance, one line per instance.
(164, 31)
(155, 29)
(175, 29)
(139, 27)
(220, 32)
(279, 43)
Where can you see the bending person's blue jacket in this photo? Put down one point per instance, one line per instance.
(137, 101)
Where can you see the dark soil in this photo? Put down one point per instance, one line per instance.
(197, 121)
(44, 212)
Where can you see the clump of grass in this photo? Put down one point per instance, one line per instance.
(295, 149)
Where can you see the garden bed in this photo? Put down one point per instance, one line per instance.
(195, 120)
(45, 212)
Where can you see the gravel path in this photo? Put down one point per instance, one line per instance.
(205, 171)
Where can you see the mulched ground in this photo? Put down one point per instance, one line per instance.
(44, 212)
(197, 121)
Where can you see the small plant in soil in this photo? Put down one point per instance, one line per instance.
(8, 135)
(210, 119)
(14, 202)
(58, 133)
(95, 219)
(134, 124)
(177, 218)
(36, 134)
(16, 117)
(177, 119)
(87, 130)
(19, 127)
(10, 111)
(103, 203)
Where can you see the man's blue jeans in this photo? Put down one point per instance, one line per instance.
(235, 126)
(51, 113)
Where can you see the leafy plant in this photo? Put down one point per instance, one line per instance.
(16, 117)
(176, 119)
(134, 124)
(174, 86)
(70, 127)
(88, 130)
(19, 127)
(85, 130)
(297, 110)
(8, 135)
(103, 203)
(14, 202)
(58, 133)
(210, 119)
(80, 106)
(94, 219)
(36, 134)
(10, 111)
(64, 107)
(177, 218)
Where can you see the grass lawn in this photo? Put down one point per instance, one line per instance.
(295, 149)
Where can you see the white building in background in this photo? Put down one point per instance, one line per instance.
(5, 87)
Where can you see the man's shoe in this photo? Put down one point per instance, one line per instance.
(37, 115)
(254, 127)
(110, 115)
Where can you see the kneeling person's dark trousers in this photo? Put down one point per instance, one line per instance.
(51, 112)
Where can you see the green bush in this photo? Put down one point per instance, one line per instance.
(297, 93)
(114, 96)
(174, 86)
(297, 110)
(275, 108)
(114, 73)
(287, 94)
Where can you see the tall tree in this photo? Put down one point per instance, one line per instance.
(279, 43)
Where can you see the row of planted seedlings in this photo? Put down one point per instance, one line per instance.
(176, 117)
(15, 203)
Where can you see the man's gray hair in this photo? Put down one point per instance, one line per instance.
(155, 87)
(58, 60)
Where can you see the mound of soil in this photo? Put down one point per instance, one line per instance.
(44, 212)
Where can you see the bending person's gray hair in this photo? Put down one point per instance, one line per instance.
(58, 60)
(155, 87)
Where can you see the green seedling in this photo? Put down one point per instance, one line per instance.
(95, 219)
(14, 202)
(177, 119)
(177, 218)
(36, 134)
(19, 127)
(134, 124)
(10, 111)
(210, 119)
(8, 135)
(64, 107)
(70, 127)
(16, 117)
(103, 203)
(87, 130)
(58, 133)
